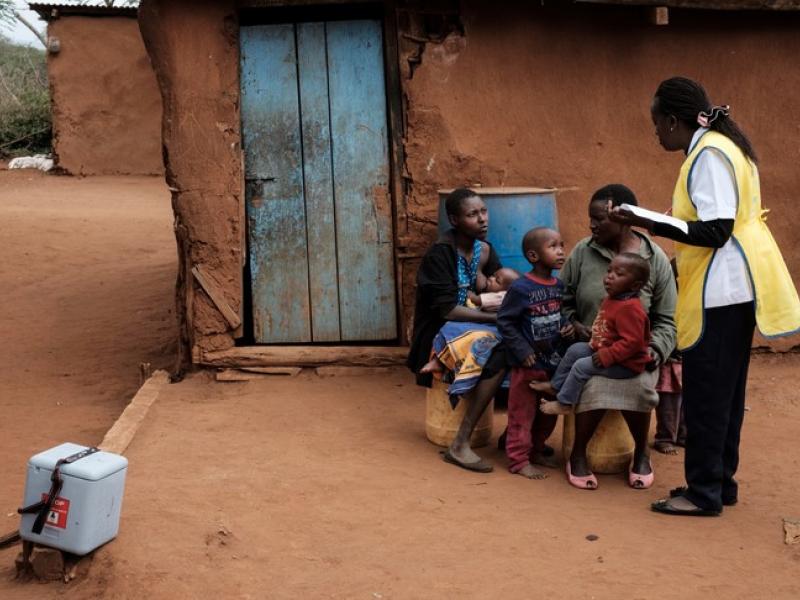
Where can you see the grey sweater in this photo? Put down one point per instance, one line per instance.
(583, 275)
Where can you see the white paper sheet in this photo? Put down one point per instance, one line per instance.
(656, 216)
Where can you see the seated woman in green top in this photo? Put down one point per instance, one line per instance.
(583, 276)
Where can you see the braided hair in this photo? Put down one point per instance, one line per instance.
(688, 102)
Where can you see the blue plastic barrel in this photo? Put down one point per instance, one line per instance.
(512, 212)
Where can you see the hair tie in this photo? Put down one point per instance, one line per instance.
(706, 118)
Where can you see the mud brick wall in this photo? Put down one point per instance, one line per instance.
(194, 49)
(493, 93)
(512, 93)
(105, 101)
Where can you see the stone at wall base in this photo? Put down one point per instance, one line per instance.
(47, 564)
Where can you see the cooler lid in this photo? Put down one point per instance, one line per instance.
(92, 468)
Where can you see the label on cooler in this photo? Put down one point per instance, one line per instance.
(57, 517)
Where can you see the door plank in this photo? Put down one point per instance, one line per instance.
(361, 180)
(274, 184)
(318, 179)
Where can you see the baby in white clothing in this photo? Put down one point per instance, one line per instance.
(493, 290)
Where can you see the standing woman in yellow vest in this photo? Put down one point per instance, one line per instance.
(730, 276)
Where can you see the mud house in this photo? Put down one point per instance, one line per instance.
(106, 105)
(305, 142)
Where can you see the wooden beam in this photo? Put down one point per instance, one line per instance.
(292, 3)
(216, 295)
(306, 356)
(707, 4)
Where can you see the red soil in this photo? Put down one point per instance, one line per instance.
(87, 275)
(323, 488)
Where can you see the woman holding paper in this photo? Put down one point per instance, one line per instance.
(730, 276)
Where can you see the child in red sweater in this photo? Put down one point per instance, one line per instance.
(620, 338)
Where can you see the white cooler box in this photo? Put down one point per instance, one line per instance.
(85, 513)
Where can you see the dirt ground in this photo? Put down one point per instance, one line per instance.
(325, 487)
(87, 276)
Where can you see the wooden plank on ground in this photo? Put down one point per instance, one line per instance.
(291, 371)
(343, 371)
(306, 356)
(248, 374)
(125, 427)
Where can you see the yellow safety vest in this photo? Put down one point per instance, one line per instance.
(777, 304)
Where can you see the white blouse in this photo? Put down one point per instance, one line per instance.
(712, 189)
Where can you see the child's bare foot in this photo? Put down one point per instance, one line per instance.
(665, 448)
(434, 365)
(553, 407)
(531, 472)
(543, 387)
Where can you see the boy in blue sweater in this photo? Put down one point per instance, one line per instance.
(531, 327)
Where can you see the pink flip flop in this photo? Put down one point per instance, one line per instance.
(641, 482)
(586, 482)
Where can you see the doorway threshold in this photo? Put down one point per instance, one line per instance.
(304, 356)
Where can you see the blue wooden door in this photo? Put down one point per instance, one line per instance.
(317, 174)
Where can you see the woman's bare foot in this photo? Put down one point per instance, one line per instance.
(553, 407)
(665, 448)
(531, 472)
(434, 365)
(549, 461)
(543, 387)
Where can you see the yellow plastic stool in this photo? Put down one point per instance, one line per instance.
(442, 421)
(611, 448)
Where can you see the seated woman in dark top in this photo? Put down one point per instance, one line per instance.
(448, 272)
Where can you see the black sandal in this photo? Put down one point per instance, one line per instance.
(681, 490)
(663, 506)
(478, 467)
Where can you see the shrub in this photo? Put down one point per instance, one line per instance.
(25, 123)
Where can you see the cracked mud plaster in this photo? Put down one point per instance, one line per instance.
(202, 153)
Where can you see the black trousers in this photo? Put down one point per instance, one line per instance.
(714, 382)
